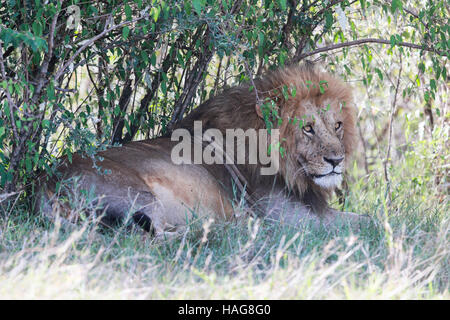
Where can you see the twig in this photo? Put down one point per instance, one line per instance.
(44, 67)
(65, 90)
(259, 102)
(363, 41)
(89, 42)
(331, 4)
(391, 118)
(8, 95)
(366, 165)
(7, 195)
(216, 82)
(118, 121)
(192, 81)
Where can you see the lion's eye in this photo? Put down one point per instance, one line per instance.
(308, 129)
(338, 125)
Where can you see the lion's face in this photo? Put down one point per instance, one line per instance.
(319, 148)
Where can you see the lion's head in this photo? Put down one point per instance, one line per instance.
(320, 130)
(317, 126)
(316, 146)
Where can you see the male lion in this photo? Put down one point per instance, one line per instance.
(316, 122)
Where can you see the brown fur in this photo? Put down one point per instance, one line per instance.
(235, 108)
(144, 180)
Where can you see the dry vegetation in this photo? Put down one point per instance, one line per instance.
(399, 177)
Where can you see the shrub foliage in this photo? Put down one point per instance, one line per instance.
(77, 76)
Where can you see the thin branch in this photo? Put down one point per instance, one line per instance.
(192, 81)
(287, 28)
(331, 4)
(89, 42)
(150, 94)
(119, 121)
(407, 10)
(8, 95)
(44, 68)
(259, 102)
(363, 41)
(309, 29)
(363, 142)
(391, 119)
(66, 90)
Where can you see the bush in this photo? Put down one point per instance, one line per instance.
(79, 76)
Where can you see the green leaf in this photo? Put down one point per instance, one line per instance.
(198, 6)
(188, 7)
(396, 5)
(37, 28)
(69, 155)
(154, 12)
(433, 84)
(328, 20)
(393, 41)
(380, 74)
(294, 92)
(28, 164)
(422, 66)
(125, 32)
(128, 12)
(284, 91)
(438, 112)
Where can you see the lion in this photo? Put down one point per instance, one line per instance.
(316, 123)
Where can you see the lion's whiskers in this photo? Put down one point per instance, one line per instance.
(298, 171)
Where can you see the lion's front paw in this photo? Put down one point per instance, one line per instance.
(334, 218)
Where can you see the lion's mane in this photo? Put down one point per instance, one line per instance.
(235, 108)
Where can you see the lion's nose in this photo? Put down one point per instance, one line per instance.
(333, 161)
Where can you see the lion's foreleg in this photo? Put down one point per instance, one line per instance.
(334, 217)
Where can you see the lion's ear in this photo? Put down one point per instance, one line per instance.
(258, 110)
